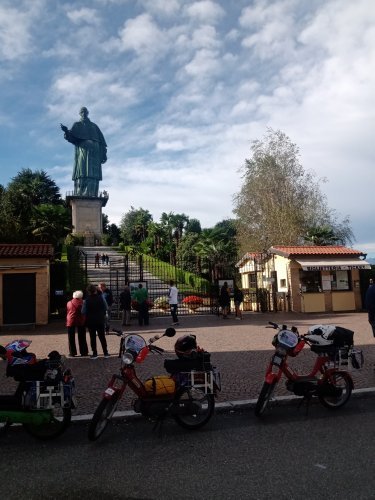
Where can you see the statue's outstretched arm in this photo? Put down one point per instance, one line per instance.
(63, 128)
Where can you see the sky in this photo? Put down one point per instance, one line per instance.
(181, 88)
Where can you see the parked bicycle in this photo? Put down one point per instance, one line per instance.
(187, 394)
(329, 379)
(43, 399)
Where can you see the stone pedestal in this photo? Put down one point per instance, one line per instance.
(87, 217)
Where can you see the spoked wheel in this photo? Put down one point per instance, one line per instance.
(60, 420)
(336, 391)
(264, 398)
(102, 416)
(198, 408)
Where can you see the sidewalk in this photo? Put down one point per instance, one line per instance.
(240, 349)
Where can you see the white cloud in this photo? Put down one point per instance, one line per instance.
(205, 10)
(205, 63)
(15, 36)
(142, 35)
(83, 16)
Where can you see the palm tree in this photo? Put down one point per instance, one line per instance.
(321, 236)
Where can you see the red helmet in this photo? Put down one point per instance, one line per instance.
(185, 345)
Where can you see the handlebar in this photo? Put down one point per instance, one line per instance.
(154, 348)
(275, 326)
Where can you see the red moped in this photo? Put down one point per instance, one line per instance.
(187, 394)
(328, 380)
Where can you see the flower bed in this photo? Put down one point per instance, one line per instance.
(161, 303)
(192, 302)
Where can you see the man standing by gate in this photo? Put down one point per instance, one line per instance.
(173, 301)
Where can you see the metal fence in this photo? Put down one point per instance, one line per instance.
(133, 268)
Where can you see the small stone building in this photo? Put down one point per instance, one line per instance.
(307, 278)
(24, 284)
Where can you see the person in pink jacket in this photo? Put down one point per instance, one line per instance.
(76, 320)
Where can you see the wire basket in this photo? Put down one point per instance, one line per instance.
(41, 396)
(207, 381)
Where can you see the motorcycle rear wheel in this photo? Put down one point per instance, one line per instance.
(343, 382)
(60, 420)
(204, 405)
(264, 398)
(102, 416)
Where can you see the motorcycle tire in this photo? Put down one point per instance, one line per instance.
(344, 384)
(204, 406)
(102, 416)
(61, 418)
(264, 398)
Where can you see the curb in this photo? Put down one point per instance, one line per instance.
(228, 406)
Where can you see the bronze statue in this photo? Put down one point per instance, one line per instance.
(90, 153)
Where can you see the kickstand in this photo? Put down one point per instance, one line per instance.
(305, 400)
(158, 426)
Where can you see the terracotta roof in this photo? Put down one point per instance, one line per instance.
(26, 250)
(293, 251)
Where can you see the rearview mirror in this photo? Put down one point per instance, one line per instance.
(169, 332)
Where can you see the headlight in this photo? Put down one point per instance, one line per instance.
(127, 358)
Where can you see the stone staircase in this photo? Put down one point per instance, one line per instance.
(113, 275)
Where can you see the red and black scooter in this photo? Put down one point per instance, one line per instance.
(328, 380)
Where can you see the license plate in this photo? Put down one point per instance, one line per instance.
(109, 391)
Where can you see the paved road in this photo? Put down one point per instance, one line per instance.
(240, 349)
(289, 456)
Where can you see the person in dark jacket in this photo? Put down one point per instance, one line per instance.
(76, 320)
(238, 299)
(125, 305)
(370, 306)
(95, 308)
(225, 300)
(107, 294)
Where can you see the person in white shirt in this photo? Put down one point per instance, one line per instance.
(173, 301)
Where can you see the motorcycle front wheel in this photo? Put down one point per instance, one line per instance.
(102, 416)
(264, 398)
(336, 390)
(60, 420)
(199, 408)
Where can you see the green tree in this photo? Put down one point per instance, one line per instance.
(134, 226)
(174, 225)
(27, 191)
(279, 200)
(193, 226)
(50, 223)
(216, 252)
(328, 235)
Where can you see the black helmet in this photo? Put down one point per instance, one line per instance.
(185, 345)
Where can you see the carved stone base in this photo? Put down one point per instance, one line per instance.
(87, 217)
